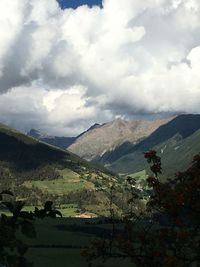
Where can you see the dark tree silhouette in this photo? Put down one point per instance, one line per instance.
(168, 233)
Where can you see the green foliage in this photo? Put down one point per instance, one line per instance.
(36, 171)
(12, 248)
(168, 233)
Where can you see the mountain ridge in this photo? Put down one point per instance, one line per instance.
(176, 142)
(59, 141)
(101, 143)
(93, 144)
(36, 171)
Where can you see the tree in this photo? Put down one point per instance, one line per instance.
(168, 233)
(12, 248)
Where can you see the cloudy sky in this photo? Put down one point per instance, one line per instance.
(63, 69)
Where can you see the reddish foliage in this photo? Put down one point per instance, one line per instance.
(176, 242)
(150, 154)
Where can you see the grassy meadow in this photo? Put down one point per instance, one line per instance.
(71, 181)
(59, 243)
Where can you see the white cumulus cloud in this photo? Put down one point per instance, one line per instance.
(61, 70)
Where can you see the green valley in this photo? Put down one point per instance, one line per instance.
(36, 171)
(176, 142)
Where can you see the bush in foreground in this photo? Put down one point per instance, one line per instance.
(168, 234)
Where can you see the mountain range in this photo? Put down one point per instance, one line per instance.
(36, 171)
(100, 142)
(176, 142)
(119, 145)
(62, 142)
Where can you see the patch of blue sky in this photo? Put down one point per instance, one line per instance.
(76, 3)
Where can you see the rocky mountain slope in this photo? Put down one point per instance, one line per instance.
(176, 142)
(102, 140)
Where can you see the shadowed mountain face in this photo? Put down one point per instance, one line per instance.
(26, 153)
(36, 171)
(184, 125)
(59, 141)
(109, 141)
(104, 143)
(62, 142)
(113, 155)
(177, 142)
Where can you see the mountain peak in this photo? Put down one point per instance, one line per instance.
(94, 126)
(34, 133)
(99, 139)
(119, 121)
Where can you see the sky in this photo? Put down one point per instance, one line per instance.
(76, 3)
(64, 69)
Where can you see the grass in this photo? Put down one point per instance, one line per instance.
(176, 155)
(67, 210)
(142, 175)
(71, 181)
(69, 258)
(12, 132)
(52, 246)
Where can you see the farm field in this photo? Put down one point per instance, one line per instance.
(71, 181)
(59, 243)
(67, 210)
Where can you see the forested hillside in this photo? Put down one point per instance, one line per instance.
(36, 171)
